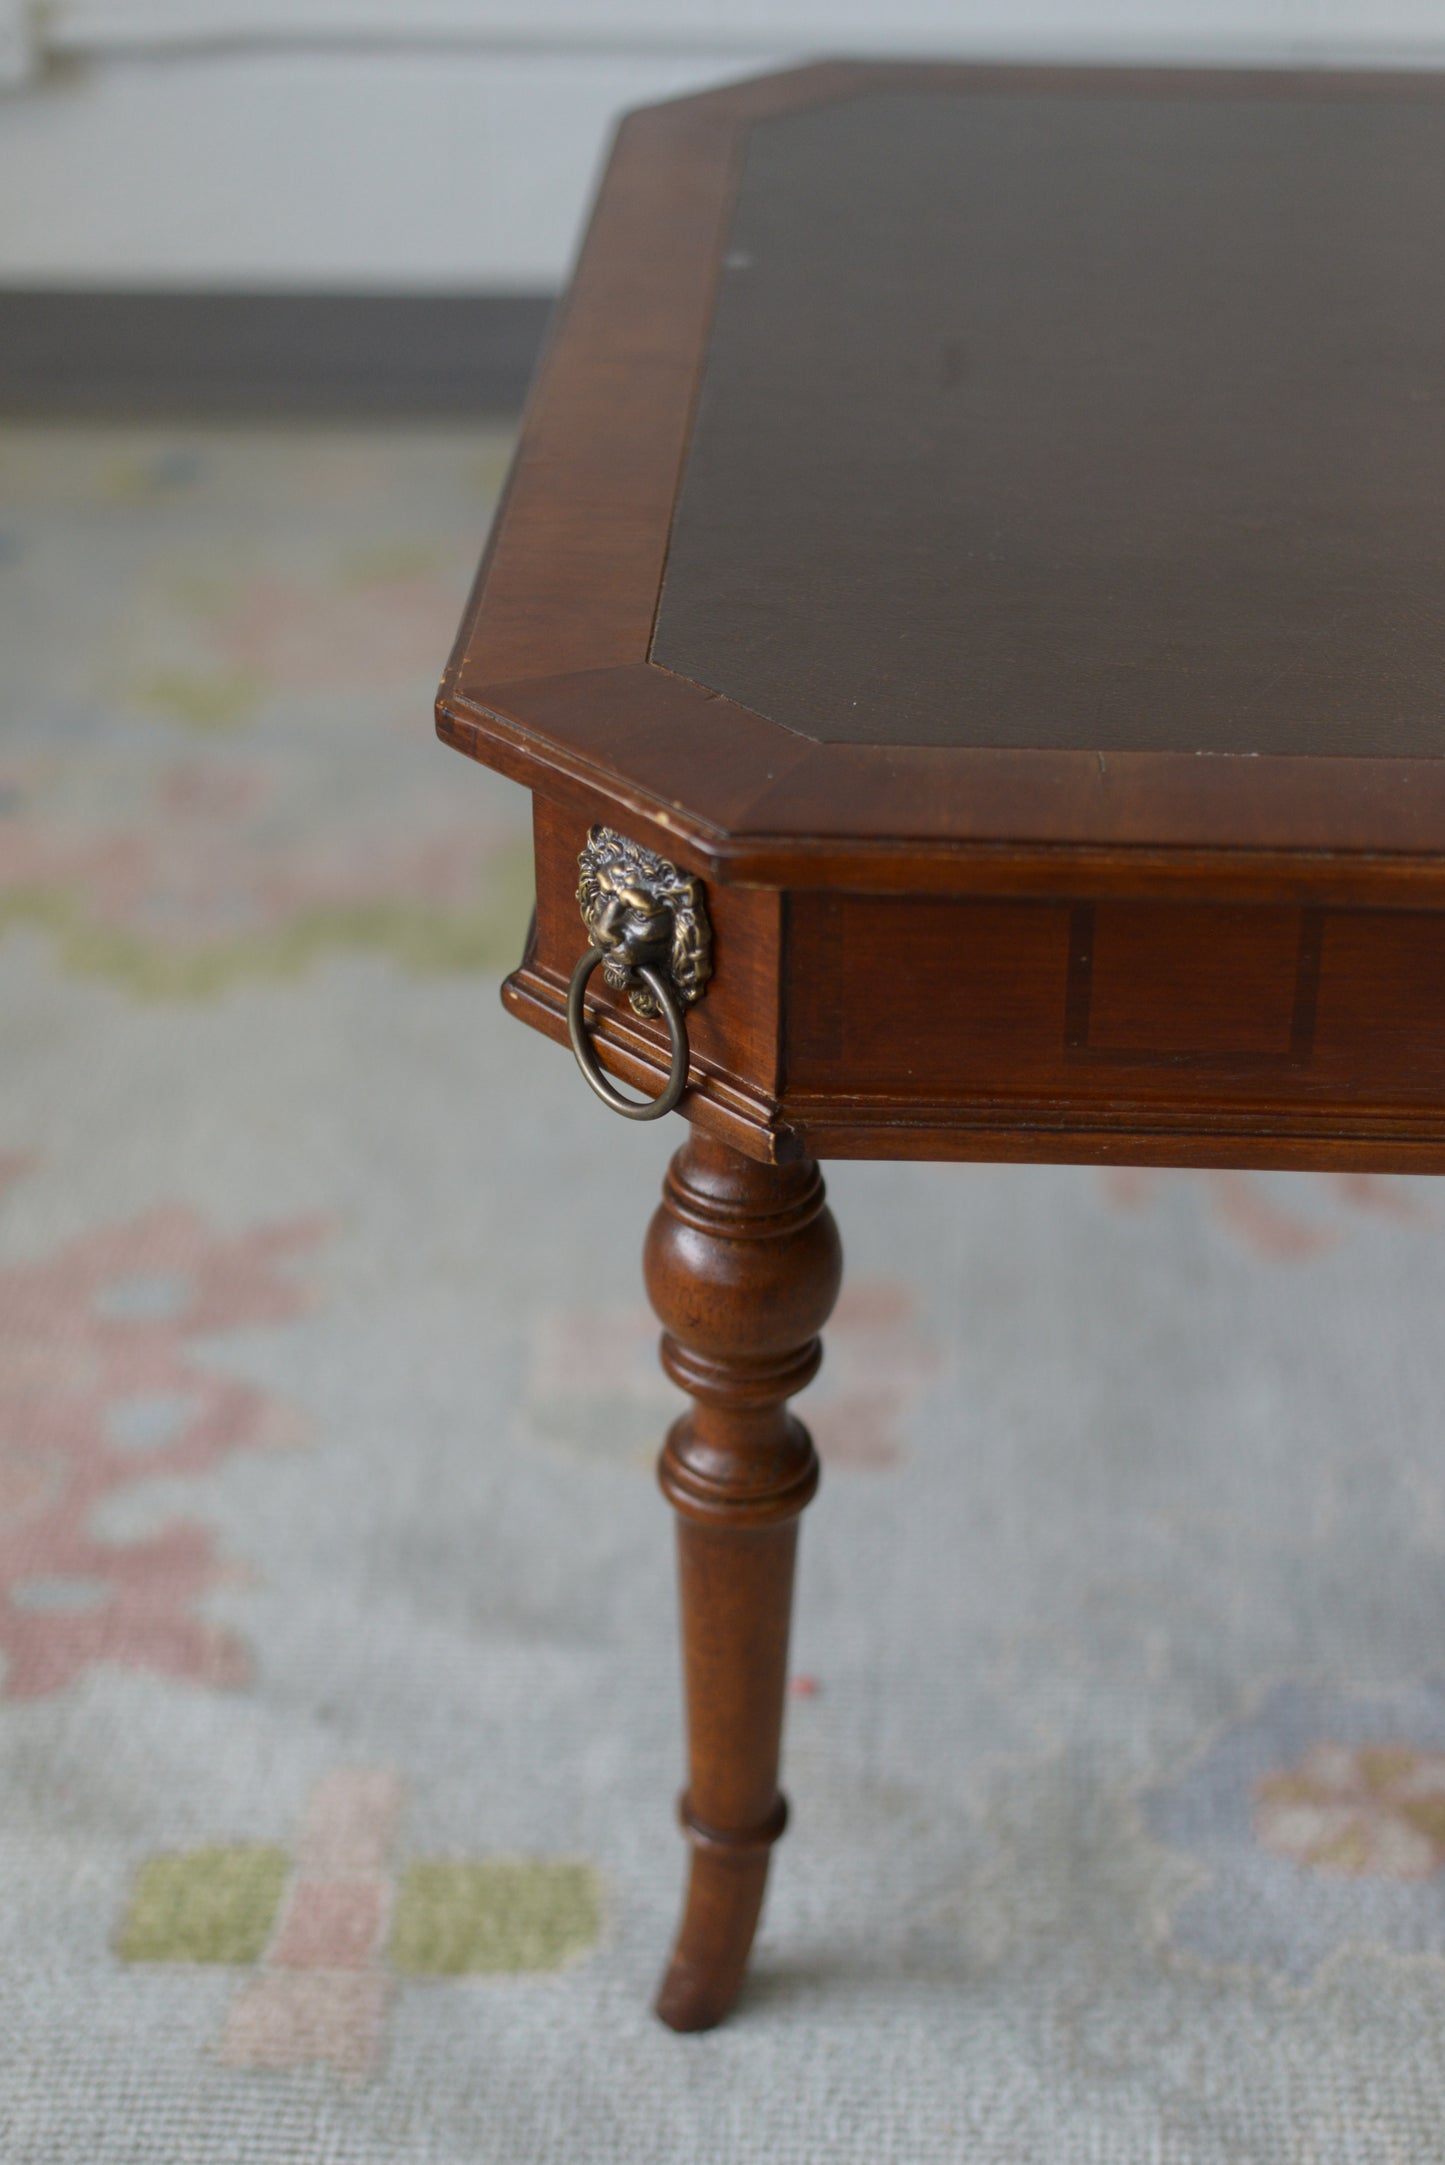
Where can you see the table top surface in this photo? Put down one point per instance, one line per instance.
(1107, 423)
(960, 464)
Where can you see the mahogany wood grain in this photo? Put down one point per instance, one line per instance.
(963, 921)
(746, 802)
(555, 677)
(742, 1266)
(1084, 1028)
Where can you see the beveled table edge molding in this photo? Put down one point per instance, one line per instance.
(1029, 837)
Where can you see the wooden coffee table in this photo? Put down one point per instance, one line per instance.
(972, 595)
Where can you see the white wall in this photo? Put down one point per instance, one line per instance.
(444, 144)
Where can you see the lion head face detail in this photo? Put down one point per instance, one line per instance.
(640, 909)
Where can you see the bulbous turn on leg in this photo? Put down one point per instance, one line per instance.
(742, 1265)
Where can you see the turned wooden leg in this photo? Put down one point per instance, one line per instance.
(742, 1266)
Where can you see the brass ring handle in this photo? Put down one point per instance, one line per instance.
(662, 992)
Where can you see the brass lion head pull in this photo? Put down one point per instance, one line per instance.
(649, 930)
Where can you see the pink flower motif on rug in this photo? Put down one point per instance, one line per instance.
(322, 1990)
(206, 853)
(1354, 1809)
(186, 876)
(100, 1389)
(594, 1381)
(876, 1363)
(1285, 1222)
(379, 625)
(1316, 1824)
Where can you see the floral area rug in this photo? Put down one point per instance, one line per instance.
(338, 1693)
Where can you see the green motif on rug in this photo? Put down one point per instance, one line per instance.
(211, 1905)
(417, 936)
(504, 1914)
(323, 1930)
(229, 775)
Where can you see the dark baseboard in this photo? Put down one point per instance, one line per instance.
(266, 354)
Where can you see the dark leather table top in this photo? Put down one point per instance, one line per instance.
(1107, 422)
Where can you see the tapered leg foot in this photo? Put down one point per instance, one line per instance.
(743, 1266)
(724, 1902)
